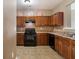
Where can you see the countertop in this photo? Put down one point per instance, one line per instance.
(55, 33)
(73, 38)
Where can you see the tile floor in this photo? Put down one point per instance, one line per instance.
(38, 52)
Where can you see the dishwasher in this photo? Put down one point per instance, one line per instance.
(52, 41)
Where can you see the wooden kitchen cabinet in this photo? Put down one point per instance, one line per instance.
(39, 20)
(52, 21)
(20, 21)
(30, 17)
(20, 39)
(45, 21)
(65, 47)
(72, 49)
(42, 39)
(57, 19)
(42, 20)
(58, 45)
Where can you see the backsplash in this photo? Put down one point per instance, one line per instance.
(38, 29)
(63, 30)
(44, 29)
(49, 29)
(58, 28)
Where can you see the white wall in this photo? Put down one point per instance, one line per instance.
(73, 19)
(9, 29)
(73, 15)
(34, 12)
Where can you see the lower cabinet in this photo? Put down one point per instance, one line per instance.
(20, 39)
(42, 39)
(58, 45)
(65, 47)
(72, 49)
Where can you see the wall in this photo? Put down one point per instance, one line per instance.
(63, 8)
(30, 12)
(9, 29)
(73, 15)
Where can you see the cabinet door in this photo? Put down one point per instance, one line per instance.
(73, 52)
(20, 39)
(60, 47)
(38, 39)
(20, 21)
(60, 18)
(66, 52)
(45, 20)
(42, 20)
(52, 21)
(38, 20)
(73, 49)
(58, 44)
(57, 19)
(66, 48)
(42, 39)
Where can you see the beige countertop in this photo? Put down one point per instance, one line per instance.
(73, 38)
(59, 34)
(36, 32)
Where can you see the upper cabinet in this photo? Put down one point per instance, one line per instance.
(57, 19)
(30, 17)
(20, 21)
(39, 20)
(42, 20)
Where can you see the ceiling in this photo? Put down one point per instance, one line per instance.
(38, 4)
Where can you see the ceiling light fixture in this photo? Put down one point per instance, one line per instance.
(27, 1)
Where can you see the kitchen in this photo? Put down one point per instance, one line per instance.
(54, 27)
(53, 24)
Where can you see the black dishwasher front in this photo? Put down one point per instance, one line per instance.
(52, 41)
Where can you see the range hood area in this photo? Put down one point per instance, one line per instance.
(30, 21)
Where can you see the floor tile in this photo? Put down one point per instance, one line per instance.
(38, 52)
